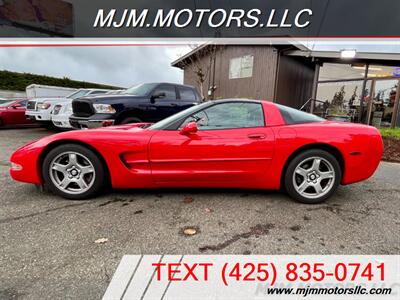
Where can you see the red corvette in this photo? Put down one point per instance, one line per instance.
(226, 143)
(12, 113)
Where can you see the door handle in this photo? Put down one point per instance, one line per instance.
(256, 136)
(173, 104)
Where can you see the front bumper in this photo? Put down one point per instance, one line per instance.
(25, 165)
(93, 122)
(61, 121)
(37, 116)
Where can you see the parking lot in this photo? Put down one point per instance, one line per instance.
(48, 248)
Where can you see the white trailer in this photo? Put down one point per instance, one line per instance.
(41, 91)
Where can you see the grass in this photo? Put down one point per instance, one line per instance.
(388, 132)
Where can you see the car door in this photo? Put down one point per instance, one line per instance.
(16, 113)
(164, 102)
(232, 148)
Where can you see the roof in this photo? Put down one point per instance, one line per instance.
(179, 63)
(334, 56)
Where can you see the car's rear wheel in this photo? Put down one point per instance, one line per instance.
(312, 176)
(130, 120)
(73, 172)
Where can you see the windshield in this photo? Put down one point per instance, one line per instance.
(78, 94)
(187, 112)
(141, 89)
(5, 102)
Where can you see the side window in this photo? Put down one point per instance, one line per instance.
(23, 103)
(229, 116)
(168, 90)
(186, 93)
(294, 116)
(98, 92)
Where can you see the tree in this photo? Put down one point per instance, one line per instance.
(353, 97)
(338, 98)
(201, 64)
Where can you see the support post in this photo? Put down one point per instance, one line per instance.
(314, 87)
(396, 107)
(363, 94)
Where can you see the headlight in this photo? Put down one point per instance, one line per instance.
(103, 108)
(56, 109)
(43, 105)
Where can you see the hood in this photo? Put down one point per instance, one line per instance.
(88, 136)
(61, 101)
(53, 99)
(110, 98)
(133, 127)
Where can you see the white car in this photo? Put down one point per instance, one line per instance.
(63, 110)
(40, 109)
(60, 115)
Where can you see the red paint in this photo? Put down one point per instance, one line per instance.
(13, 114)
(245, 158)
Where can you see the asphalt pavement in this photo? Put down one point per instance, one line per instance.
(48, 248)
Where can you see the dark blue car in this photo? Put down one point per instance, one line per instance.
(149, 102)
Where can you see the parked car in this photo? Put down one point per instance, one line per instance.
(62, 111)
(149, 102)
(228, 143)
(60, 115)
(40, 109)
(12, 113)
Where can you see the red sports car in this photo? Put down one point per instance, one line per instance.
(226, 143)
(12, 113)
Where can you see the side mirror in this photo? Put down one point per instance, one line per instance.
(189, 128)
(157, 96)
(15, 106)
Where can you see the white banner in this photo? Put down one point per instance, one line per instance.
(246, 277)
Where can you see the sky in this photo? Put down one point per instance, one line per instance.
(123, 66)
(118, 66)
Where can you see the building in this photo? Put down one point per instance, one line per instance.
(363, 88)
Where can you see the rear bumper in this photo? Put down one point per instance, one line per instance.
(95, 121)
(361, 163)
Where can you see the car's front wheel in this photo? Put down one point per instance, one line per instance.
(312, 176)
(73, 172)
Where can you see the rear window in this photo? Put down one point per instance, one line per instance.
(294, 116)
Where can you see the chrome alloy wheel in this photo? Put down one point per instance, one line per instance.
(72, 172)
(314, 177)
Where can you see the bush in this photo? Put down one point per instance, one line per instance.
(19, 81)
(390, 132)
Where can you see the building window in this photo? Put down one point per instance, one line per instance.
(341, 71)
(241, 67)
(340, 94)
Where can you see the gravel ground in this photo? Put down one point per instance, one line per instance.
(47, 243)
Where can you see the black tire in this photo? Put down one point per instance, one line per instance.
(100, 175)
(294, 163)
(1, 122)
(51, 126)
(130, 120)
